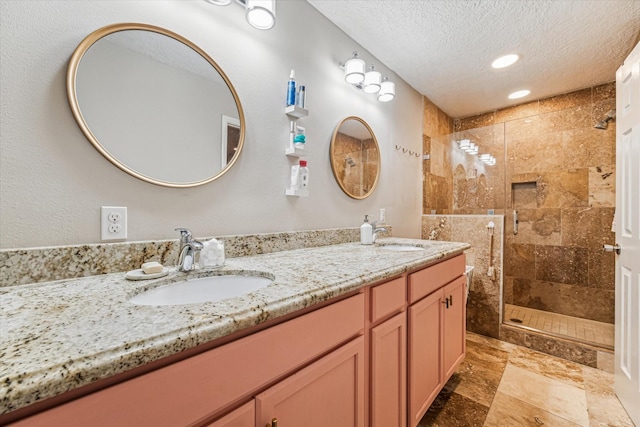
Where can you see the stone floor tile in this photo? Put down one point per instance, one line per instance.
(509, 411)
(454, 410)
(605, 410)
(554, 396)
(549, 366)
(489, 342)
(478, 376)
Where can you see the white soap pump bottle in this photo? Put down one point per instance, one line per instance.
(366, 232)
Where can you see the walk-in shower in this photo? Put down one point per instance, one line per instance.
(604, 123)
(557, 210)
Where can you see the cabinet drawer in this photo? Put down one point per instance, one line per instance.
(244, 416)
(201, 386)
(423, 282)
(387, 298)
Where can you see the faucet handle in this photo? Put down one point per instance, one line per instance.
(185, 235)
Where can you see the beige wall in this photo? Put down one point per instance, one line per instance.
(53, 181)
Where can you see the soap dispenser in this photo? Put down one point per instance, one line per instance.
(366, 232)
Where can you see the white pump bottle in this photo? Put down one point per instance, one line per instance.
(366, 232)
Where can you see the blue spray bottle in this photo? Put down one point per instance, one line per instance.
(291, 89)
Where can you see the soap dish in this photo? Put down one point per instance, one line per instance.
(141, 275)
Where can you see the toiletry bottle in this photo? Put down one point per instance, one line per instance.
(304, 175)
(366, 232)
(295, 176)
(291, 89)
(300, 139)
(301, 96)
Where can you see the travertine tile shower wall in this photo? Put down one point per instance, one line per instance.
(558, 172)
(436, 172)
(483, 304)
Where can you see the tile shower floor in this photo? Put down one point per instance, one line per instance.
(505, 385)
(584, 330)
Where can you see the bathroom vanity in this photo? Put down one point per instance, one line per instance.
(346, 335)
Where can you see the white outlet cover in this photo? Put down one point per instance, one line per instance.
(113, 223)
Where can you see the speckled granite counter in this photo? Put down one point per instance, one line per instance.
(57, 336)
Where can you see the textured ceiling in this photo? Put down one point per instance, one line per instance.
(444, 48)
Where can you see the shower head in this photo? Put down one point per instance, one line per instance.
(602, 124)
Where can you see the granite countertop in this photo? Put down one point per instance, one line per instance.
(60, 335)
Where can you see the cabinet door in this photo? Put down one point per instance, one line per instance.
(389, 373)
(425, 356)
(244, 416)
(454, 326)
(329, 392)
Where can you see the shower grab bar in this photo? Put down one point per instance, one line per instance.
(515, 222)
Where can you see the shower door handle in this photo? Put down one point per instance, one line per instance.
(515, 222)
(612, 248)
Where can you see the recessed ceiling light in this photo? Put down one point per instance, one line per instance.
(519, 94)
(505, 61)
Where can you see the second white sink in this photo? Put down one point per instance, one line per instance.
(402, 248)
(200, 290)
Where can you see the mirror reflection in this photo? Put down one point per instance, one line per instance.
(155, 105)
(355, 157)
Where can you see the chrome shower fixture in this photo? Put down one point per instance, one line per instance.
(602, 124)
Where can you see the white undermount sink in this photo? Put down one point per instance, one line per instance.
(202, 289)
(402, 248)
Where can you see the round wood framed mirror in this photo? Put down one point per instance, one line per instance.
(155, 105)
(355, 157)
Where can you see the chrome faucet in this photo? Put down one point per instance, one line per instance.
(188, 250)
(377, 230)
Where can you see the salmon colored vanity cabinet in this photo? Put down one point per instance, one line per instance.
(388, 354)
(436, 332)
(244, 416)
(197, 389)
(377, 359)
(328, 393)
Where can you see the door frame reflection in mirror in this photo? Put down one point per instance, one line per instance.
(349, 161)
(72, 71)
(229, 125)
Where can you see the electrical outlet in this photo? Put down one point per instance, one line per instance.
(113, 223)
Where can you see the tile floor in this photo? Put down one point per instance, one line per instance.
(584, 330)
(505, 385)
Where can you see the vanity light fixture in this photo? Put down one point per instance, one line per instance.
(464, 144)
(260, 14)
(369, 82)
(387, 91)
(468, 146)
(487, 159)
(354, 70)
(372, 81)
(505, 61)
(519, 94)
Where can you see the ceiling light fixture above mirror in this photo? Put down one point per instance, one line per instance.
(369, 82)
(260, 14)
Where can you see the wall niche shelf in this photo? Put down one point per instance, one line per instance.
(294, 113)
(296, 192)
(294, 152)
